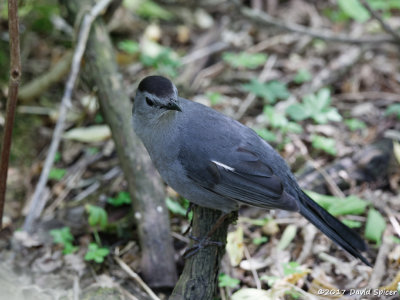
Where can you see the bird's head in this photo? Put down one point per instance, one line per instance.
(155, 96)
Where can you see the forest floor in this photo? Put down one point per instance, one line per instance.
(328, 99)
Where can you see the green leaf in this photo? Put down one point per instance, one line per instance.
(244, 59)
(227, 281)
(276, 119)
(266, 134)
(351, 223)
(292, 267)
(121, 199)
(97, 216)
(376, 225)
(355, 124)
(130, 47)
(325, 144)
(260, 240)
(302, 75)
(96, 253)
(69, 248)
(298, 112)
(326, 115)
(175, 207)
(393, 109)
(395, 239)
(151, 10)
(339, 206)
(62, 236)
(354, 9)
(166, 61)
(214, 97)
(294, 127)
(57, 157)
(270, 91)
(350, 205)
(270, 280)
(57, 173)
(287, 237)
(315, 106)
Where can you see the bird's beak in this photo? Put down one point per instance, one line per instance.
(173, 106)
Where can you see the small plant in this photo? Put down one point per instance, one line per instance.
(244, 59)
(128, 46)
(96, 253)
(98, 219)
(351, 223)
(265, 134)
(214, 97)
(175, 207)
(292, 267)
(166, 62)
(121, 199)
(64, 237)
(57, 173)
(279, 121)
(393, 109)
(270, 91)
(227, 281)
(260, 240)
(302, 75)
(151, 10)
(355, 124)
(316, 107)
(375, 227)
(97, 216)
(354, 9)
(336, 206)
(325, 144)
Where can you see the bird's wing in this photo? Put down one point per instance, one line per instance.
(245, 179)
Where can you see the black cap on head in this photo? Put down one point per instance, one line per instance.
(157, 85)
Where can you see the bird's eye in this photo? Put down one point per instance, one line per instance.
(149, 102)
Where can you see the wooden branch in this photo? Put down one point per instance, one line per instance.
(384, 24)
(38, 202)
(144, 183)
(265, 19)
(199, 279)
(15, 75)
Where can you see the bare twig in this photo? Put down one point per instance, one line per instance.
(204, 52)
(15, 75)
(136, 277)
(36, 206)
(265, 19)
(249, 101)
(252, 269)
(336, 68)
(379, 269)
(331, 184)
(384, 24)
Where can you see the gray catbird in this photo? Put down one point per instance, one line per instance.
(216, 162)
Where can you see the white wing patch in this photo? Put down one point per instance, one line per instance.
(224, 166)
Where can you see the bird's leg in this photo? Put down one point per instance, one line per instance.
(205, 241)
(189, 209)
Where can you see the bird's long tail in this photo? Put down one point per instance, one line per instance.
(333, 228)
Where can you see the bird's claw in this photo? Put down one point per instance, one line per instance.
(201, 244)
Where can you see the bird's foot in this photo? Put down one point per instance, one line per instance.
(201, 244)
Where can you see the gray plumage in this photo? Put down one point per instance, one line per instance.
(216, 162)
